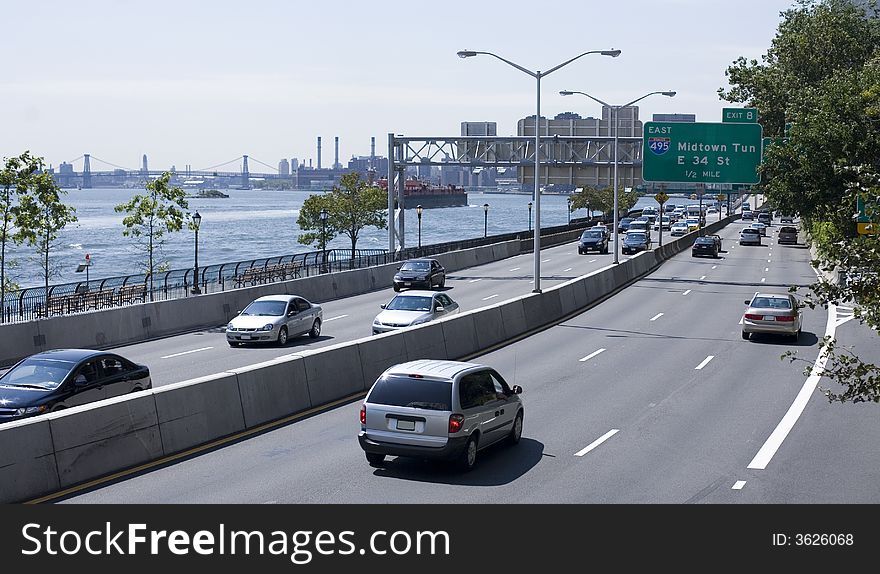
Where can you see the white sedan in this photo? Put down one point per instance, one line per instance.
(762, 228)
(413, 308)
(679, 228)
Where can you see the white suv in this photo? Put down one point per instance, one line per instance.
(440, 410)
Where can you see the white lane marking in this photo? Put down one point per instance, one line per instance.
(597, 442)
(334, 318)
(763, 279)
(703, 277)
(657, 316)
(475, 280)
(704, 363)
(768, 261)
(766, 269)
(738, 485)
(774, 441)
(569, 269)
(491, 296)
(591, 355)
(545, 260)
(741, 318)
(714, 267)
(591, 261)
(515, 269)
(686, 292)
(187, 352)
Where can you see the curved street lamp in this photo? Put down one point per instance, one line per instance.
(616, 111)
(537, 75)
(196, 222)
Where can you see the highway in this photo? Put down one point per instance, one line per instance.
(650, 397)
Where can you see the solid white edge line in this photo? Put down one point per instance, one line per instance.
(704, 363)
(738, 485)
(597, 442)
(657, 316)
(774, 441)
(334, 318)
(186, 352)
(490, 297)
(591, 355)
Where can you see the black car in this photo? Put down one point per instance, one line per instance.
(62, 378)
(420, 273)
(593, 239)
(623, 224)
(635, 242)
(704, 246)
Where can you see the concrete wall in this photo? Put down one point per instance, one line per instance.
(43, 454)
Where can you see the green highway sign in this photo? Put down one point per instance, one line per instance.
(739, 115)
(701, 152)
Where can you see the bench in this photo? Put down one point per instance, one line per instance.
(132, 293)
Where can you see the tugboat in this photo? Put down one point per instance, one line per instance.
(416, 192)
(203, 193)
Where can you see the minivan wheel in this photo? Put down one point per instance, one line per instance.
(469, 457)
(282, 336)
(375, 459)
(316, 329)
(516, 431)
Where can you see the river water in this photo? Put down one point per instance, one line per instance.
(251, 224)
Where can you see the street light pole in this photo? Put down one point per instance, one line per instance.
(196, 221)
(537, 196)
(485, 220)
(419, 213)
(569, 210)
(530, 216)
(324, 216)
(615, 110)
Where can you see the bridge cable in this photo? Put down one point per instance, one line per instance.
(265, 164)
(112, 164)
(220, 164)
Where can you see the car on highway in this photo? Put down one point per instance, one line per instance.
(639, 227)
(593, 240)
(717, 239)
(749, 236)
(636, 241)
(787, 234)
(772, 313)
(786, 218)
(761, 227)
(275, 319)
(413, 308)
(436, 409)
(665, 222)
(765, 217)
(746, 206)
(705, 246)
(679, 228)
(623, 224)
(420, 273)
(692, 223)
(61, 378)
(748, 215)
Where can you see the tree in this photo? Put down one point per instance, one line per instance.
(603, 199)
(351, 206)
(150, 217)
(41, 217)
(14, 181)
(821, 76)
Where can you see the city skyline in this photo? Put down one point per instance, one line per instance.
(201, 84)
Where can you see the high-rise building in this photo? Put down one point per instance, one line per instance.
(691, 118)
(479, 129)
(283, 167)
(294, 164)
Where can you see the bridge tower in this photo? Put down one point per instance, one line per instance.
(87, 172)
(245, 176)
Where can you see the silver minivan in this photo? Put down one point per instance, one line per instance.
(439, 410)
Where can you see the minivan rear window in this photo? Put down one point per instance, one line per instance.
(412, 392)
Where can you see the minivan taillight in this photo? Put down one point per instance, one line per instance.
(455, 422)
(363, 414)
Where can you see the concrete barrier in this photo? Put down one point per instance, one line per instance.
(272, 390)
(18, 340)
(425, 342)
(27, 460)
(194, 412)
(513, 318)
(460, 334)
(99, 438)
(380, 352)
(540, 309)
(333, 372)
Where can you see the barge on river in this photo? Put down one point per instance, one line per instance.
(416, 192)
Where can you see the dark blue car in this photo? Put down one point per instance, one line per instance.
(62, 378)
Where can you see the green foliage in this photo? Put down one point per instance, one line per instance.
(42, 215)
(603, 199)
(822, 75)
(15, 178)
(351, 206)
(151, 217)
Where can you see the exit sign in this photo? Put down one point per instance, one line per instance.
(739, 115)
(701, 152)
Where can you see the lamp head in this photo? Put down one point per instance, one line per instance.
(324, 215)
(419, 210)
(197, 220)
(486, 207)
(565, 93)
(466, 53)
(669, 94)
(612, 53)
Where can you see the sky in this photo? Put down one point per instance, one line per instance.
(202, 83)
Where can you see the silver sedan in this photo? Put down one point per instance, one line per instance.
(772, 313)
(274, 319)
(413, 308)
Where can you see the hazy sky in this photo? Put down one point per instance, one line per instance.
(202, 83)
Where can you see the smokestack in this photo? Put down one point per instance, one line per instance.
(372, 149)
(319, 152)
(336, 153)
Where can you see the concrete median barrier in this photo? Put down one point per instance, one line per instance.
(380, 352)
(99, 438)
(273, 390)
(460, 335)
(333, 372)
(198, 411)
(541, 309)
(425, 342)
(27, 460)
(489, 327)
(513, 318)
(20, 340)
